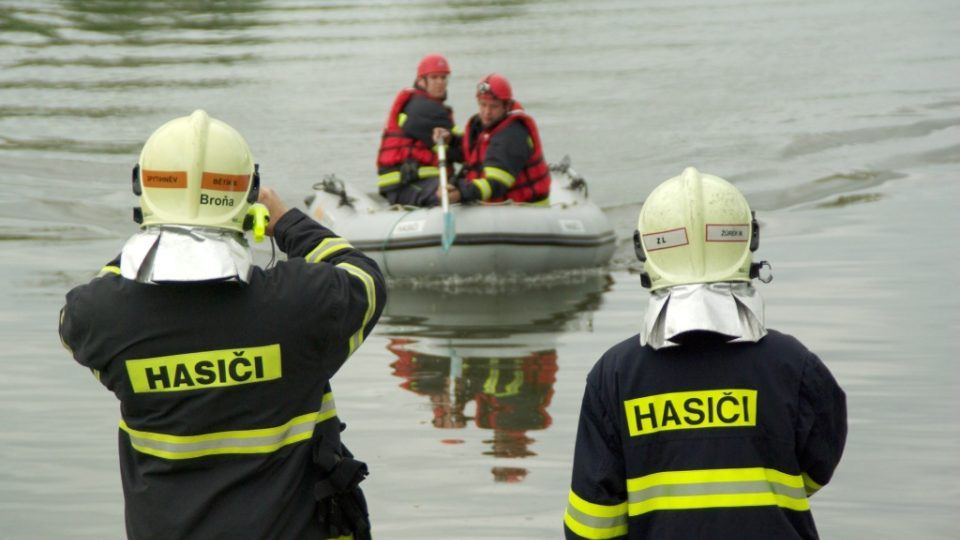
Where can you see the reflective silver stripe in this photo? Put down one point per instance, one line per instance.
(250, 441)
(595, 522)
(716, 488)
(327, 247)
(357, 339)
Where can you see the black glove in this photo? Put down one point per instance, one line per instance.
(341, 506)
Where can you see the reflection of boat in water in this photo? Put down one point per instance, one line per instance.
(503, 238)
(510, 395)
(509, 310)
(488, 360)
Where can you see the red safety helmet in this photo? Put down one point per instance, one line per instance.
(495, 86)
(432, 63)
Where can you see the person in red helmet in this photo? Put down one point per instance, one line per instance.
(502, 153)
(407, 163)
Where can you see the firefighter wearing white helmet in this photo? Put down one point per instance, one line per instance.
(706, 420)
(222, 368)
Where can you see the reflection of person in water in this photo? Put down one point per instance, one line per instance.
(432, 376)
(513, 398)
(511, 395)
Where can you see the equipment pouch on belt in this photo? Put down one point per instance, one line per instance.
(409, 172)
(341, 506)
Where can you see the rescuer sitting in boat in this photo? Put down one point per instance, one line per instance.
(407, 161)
(228, 425)
(503, 156)
(706, 424)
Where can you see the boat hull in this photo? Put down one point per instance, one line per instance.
(501, 239)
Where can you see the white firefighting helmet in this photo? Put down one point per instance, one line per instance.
(195, 171)
(696, 228)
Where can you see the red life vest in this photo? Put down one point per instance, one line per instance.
(533, 181)
(395, 145)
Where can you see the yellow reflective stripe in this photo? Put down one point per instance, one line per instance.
(388, 179)
(109, 269)
(393, 177)
(712, 488)
(484, 187)
(456, 130)
(327, 247)
(60, 330)
(493, 379)
(401, 119)
(427, 171)
(542, 202)
(530, 142)
(249, 441)
(809, 485)
(595, 521)
(357, 339)
(96, 374)
(500, 175)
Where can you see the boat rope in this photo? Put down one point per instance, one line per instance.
(335, 186)
(577, 181)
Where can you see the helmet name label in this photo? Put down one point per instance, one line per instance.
(210, 200)
(691, 410)
(225, 182)
(208, 369)
(728, 233)
(163, 179)
(665, 239)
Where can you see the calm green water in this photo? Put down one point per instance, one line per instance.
(840, 120)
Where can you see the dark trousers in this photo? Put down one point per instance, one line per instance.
(420, 193)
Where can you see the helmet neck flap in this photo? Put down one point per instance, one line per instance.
(182, 254)
(732, 309)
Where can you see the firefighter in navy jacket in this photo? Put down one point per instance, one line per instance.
(502, 152)
(707, 424)
(228, 425)
(407, 162)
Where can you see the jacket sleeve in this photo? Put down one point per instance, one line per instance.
(506, 156)
(422, 116)
(597, 502)
(822, 426)
(73, 326)
(363, 286)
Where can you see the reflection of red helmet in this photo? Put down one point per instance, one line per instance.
(494, 86)
(432, 63)
(508, 474)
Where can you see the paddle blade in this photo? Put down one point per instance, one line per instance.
(449, 232)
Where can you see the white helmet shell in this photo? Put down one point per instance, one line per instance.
(196, 171)
(696, 228)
